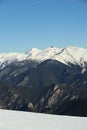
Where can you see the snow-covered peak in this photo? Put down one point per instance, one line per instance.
(32, 53)
(33, 50)
(52, 50)
(45, 54)
(70, 54)
(72, 47)
(76, 54)
(7, 58)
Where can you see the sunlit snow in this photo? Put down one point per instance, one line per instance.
(70, 54)
(14, 120)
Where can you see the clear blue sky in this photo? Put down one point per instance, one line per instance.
(26, 24)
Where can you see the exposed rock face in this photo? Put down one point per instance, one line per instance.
(9, 97)
(30, 105)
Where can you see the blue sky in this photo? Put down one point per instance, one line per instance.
(26, 24)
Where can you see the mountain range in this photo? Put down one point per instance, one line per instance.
(70, 54)
(52, 81)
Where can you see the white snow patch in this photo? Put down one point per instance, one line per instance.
(14, 120)
(83, 70)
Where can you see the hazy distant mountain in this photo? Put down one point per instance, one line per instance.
(53, 80)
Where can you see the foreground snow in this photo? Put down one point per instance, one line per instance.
(13, 120)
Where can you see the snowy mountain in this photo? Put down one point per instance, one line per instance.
(52, 81)
(66, 55)
(13, 120)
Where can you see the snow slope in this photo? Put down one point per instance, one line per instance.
(70, 54)
(14, 120)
